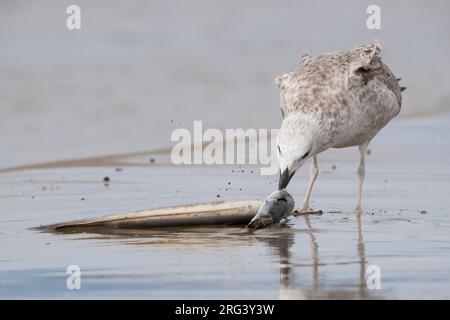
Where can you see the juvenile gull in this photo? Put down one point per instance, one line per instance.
(334, 100)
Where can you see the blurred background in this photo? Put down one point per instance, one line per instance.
(98, 105)
(139, 69)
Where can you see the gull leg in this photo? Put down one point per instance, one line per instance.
(361, 173)
(305, 209)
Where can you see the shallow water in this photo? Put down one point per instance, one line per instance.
(78, 106)
(322, 257)
(140, 69)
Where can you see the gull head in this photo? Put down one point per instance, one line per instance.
(295, 145)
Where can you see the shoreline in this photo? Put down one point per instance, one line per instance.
(404, 202)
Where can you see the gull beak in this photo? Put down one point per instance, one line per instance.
(285, 177)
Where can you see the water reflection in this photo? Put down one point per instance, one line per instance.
(290, 289)
(361, 247)
(279, 240)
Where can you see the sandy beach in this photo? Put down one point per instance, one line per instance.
(103, 102)
(404, 229)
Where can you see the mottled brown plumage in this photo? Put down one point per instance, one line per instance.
(335, 100)
(343, 87)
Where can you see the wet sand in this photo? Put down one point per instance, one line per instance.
(141, 69)
(404, 230)
(76, 107)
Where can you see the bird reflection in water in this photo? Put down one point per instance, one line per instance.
(290, 289)
(280, 240)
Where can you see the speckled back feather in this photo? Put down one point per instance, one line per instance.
(353, 89)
